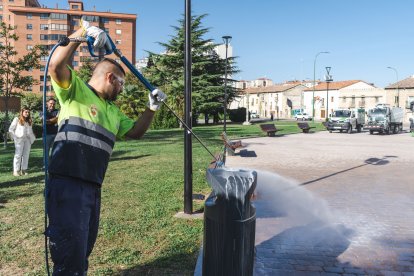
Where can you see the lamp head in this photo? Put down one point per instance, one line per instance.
(226, 39)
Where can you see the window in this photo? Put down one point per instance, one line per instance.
(11, 0)
(29, 15)
(118, 21)
(59, 27)
(42, 68)
(29, 26)
(118, 32)
(118, 41)
(91, 18)
(58, 16)
(75, 7)
(332, 99)
(29, 37)
(44, 26)
(47, 88)
(376, 99)
(44, 58)
(396, 100)
(1, 17)
(42, 78)
(343, 99)
(44, 16)
(75, 63)
(51, 36)
(104, 20)
(1, 7)
(29, 47)
(106, 30)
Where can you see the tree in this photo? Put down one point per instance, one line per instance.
(86, 70)
(133, 99)
(12, 77)
(166, 71)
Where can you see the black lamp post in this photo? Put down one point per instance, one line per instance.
(226, 40)
(314, 83)
(328, 79)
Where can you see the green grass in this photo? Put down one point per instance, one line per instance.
(142, 192)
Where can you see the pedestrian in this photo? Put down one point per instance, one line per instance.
(51, 123)
(89, 123)
(21, 132)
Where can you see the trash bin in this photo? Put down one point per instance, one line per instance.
(229, 223)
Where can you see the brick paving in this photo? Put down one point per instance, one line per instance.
(333, 204)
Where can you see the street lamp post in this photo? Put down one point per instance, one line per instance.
(314, 83)
(226, 40)
(247, 108)
(398, 86)
(328, 79)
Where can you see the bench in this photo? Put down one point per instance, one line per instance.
(270, 129)
(304, 127)
(231, 146)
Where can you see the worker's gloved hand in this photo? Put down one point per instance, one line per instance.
(156, 98)
(101, 38)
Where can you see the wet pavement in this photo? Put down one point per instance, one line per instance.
(332, 204)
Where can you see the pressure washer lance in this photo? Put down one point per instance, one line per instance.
(64, 41)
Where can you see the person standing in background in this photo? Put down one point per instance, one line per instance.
(21, 132)
(51, 123)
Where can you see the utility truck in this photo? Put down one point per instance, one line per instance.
(346, 120)
(385, 119)
(411, 107)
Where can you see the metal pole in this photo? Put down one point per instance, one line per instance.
(314, 83)
(226, 40)
(328, 79)
(398, 86)
(188, 158)
(327, 99)
(247, 108)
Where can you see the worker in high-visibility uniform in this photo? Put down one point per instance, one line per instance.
(88, 125)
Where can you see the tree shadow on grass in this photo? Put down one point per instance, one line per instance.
(8, 191)
(178, 264)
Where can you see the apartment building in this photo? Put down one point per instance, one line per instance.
(40, 25)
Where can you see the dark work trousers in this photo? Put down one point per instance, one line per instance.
(73, 209)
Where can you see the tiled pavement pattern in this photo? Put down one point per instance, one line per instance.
(338, 204)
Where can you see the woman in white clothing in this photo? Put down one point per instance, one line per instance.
(22, 133)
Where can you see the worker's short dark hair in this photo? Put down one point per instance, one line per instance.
(113, 62)
(51, 99)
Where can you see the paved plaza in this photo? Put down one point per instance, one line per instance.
(332, 203)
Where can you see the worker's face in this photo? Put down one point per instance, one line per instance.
(51, 105)
(117, 83)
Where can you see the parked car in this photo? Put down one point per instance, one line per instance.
(254, 115)
(303, 116)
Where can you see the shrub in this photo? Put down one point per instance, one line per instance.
(237, 115)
